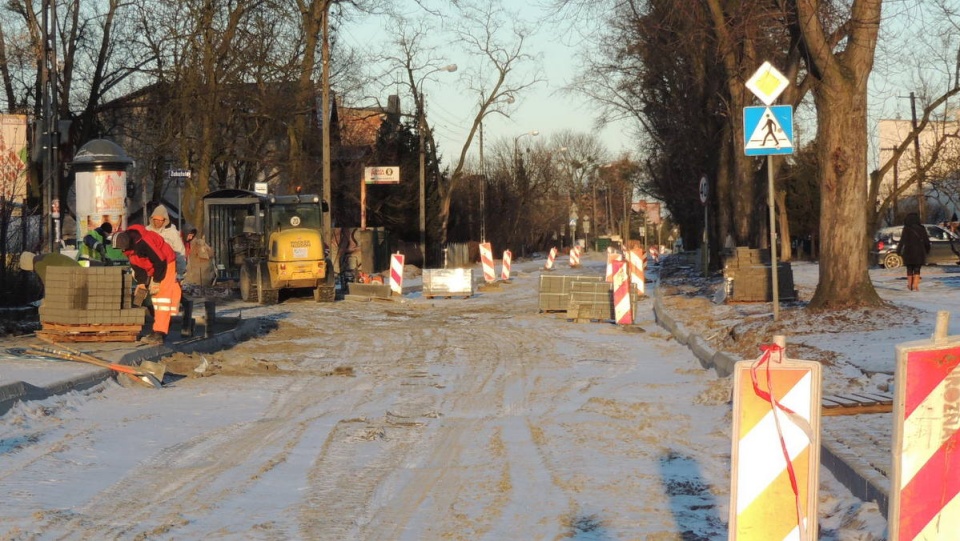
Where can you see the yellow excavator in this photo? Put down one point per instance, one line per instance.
(280, 246)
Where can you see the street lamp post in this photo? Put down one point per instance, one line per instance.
(421, 125)
(483, 180)
(516, 152)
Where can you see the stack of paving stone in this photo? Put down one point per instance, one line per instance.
(89, 304)
(748, 277)
(554, 290)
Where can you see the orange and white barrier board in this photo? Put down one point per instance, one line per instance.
(776, 448)
(622, 313)
(574, 257)
(638, 261)
(396, 274)
(486, 260)
(925, 487)
(550, 259)
(505, 267)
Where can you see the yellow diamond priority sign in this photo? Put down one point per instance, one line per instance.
(767, 83)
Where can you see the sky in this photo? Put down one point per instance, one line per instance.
(546, 107)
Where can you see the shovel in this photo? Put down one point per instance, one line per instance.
(61, 351)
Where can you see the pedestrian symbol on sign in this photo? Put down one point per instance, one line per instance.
(768, 130)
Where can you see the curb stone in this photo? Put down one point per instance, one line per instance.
(19, 391)
(862, 481)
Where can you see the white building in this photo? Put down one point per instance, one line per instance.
(940, 141)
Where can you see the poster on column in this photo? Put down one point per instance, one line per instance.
(101, 197)
(13, 157)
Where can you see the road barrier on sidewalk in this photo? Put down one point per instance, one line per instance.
(637, 259)
(396, 274)
(622, 312)
(505, 266)
(925, 486)
(550, 259)
(776, 448)
(486, 260)
(574, 257)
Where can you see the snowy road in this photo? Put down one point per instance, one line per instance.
(428, 419)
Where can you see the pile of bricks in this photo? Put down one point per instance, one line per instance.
(89, 304)
(748, 277)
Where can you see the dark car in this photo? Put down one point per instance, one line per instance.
(944, 247)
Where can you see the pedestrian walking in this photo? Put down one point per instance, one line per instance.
(155, 268)
(913, 248)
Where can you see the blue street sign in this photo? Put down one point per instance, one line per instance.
(768, 130)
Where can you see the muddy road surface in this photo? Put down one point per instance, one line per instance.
(442, 419)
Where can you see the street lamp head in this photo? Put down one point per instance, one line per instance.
(510, 99)
(451, 68)
(535, 133)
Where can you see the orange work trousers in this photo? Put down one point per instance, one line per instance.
(166, 303)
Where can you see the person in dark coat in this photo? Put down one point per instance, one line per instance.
(913, 249)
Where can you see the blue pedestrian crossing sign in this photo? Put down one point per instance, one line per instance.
(768, 130)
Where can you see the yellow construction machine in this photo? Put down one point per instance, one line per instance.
(280, 245)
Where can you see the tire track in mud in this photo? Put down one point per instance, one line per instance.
(195, 477)
(480, 363)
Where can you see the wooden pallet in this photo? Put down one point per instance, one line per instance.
(90, 333)
(856, 403)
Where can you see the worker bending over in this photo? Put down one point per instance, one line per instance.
(154, 266)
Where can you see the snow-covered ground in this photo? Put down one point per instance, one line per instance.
(424, 419)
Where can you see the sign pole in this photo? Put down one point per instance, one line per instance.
(705, 245)
(773, 241)
(768, 131)
(363, 204)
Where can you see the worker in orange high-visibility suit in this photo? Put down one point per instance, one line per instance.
(155, 268)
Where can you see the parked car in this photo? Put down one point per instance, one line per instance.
(944, 247)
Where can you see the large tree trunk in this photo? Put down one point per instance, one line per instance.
(841, 66)
(842, 152)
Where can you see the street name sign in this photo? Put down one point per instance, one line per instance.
(381, 175)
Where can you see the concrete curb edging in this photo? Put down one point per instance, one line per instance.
(863, 482)
(19, 391)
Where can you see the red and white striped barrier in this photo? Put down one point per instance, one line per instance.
(775, 455)
(612, 257)
(622, 313)
(638, 261)
(396, 274)
(550, 259)
(574, 257)
(654, 254)
(925, 486)
(486, 259)
(505, 267)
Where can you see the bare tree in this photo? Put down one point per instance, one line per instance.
(497, 41)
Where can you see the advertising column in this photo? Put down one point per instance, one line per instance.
(101, 186)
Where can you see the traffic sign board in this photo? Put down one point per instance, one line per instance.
(767, 83)
(181, 173)
(704, 189)
(768, 130)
